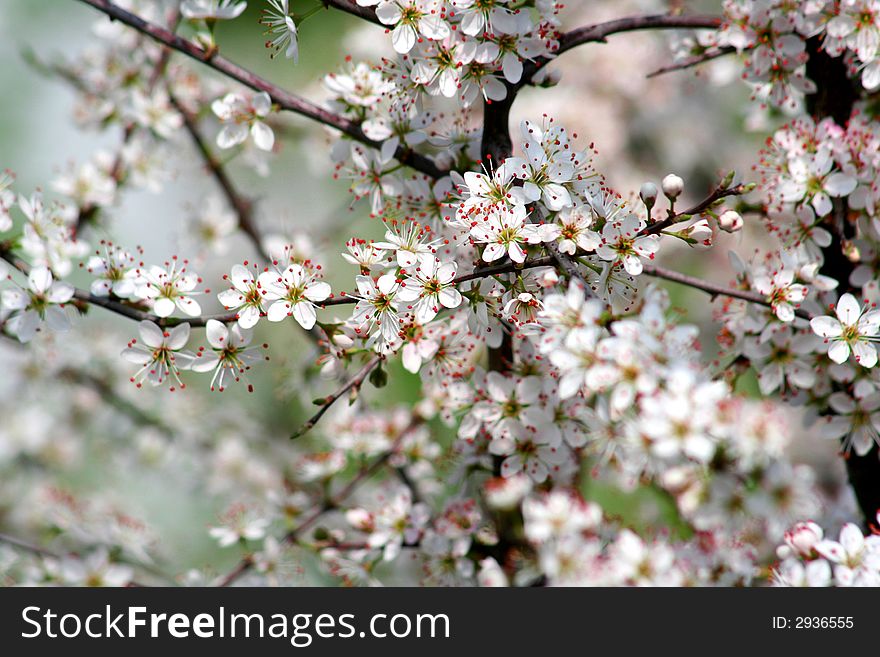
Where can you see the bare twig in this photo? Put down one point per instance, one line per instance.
(352, 384)
(242, 206)
(284, 99)
(695, 60)
(712, 288)
(599, 33)
(21, 544)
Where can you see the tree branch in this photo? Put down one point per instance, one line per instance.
(712, 288)
(599, 33)
(352, 384)
(720, 192)
(242, 206)
(351, 7)
(695, 60)
(284, 99)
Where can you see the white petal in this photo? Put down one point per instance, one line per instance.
(264, 138)
(216, 333)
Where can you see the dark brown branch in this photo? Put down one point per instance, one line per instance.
(242, 206)
(353, 8)
(836, 95)
(284, 99)
(695, 60)
(712, 288)
(720, 192)
(599, 33)
(354, 383)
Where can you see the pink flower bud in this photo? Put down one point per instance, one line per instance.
(730, 221)
(803, 537)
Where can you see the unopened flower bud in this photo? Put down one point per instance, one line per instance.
(803, 537)
(672, 186)
(648, 194)
(546, 77)
(730, 221)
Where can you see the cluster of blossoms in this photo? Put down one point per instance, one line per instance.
(775, 36)
(512, 284)
(810, 559)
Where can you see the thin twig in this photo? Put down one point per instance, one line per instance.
(352, 384)
(695, 60)
(110, 396)
(27, 547)
(712, 288)
(284, 99)
(599, 33)
(720, 192)
(242, 206)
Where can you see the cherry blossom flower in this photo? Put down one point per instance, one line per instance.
(782, 359)
(241, 114)
(856, 419)
(396, 523)
(363, 254)
(245, 296)
(229, 357)
(413, 19)
(781, 291)
(280, 25)
(160, 353)
(856, 559)
(95, 570)
(478, 16)
(622, 242)
(293, 292)
(88, 185)
(531, 453)
(430, 288)
(851, 331)
(791, 572)
(549, 164)
(114, 273)
(40, 305)
(377, 307)
(239, 524)
(213, 224)
(410, 241)
(503, 231)
(169, 287)
(156, 112)
(558, 513)
(574, 228)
